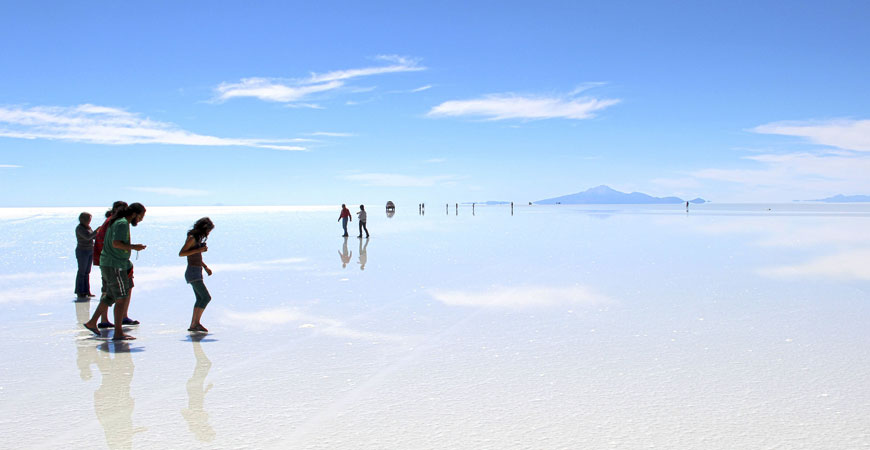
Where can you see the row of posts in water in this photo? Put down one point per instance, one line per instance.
(421, 208)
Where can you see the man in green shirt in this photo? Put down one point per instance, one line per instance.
(115, 267)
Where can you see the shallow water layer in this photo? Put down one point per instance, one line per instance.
(556, 327)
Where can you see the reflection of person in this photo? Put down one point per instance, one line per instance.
(193, 249)
(344, 217)
(112, 400)
(362, 254)
(194, 414)
(343, 254)
(116, 268)
(86, 353)
(362, 221)
(84, 255)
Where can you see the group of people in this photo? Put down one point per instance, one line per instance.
(345, 216)
(110, 247)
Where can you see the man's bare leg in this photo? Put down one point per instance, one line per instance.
(120, 308)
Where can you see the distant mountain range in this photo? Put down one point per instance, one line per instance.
(840, 198)
(605, 195)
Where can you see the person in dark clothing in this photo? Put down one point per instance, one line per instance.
(362, 221)
(84, 255)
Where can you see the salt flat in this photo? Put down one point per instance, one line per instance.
(732, 326)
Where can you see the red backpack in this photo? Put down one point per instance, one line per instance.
(98, 244)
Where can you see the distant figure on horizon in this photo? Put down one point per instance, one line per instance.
(687, 206)
(343, 254)
(193, 249)
(116, 268)
(362, 221)
(344, 217)
(84, 255)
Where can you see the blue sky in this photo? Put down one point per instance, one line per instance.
(252, 103)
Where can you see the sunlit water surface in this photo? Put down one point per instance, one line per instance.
(731, 326)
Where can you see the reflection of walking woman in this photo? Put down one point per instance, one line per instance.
(84, 255)
(193, 249)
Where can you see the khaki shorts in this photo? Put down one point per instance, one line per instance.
(118, 284)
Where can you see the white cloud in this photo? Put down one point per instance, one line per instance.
(175, 192)
(841, 133)
(318, 324)
(422, 88)
(397, 180)
(847, 265)
(9, 166)
(797, 176)
(521, 297)
(95, 124)
(840, 169)
(295, 90)
(512, 106)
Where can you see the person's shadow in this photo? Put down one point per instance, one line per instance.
(194, 414)
(363, 257)
(343, 254)
(112, 400)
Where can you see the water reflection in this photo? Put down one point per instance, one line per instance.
(363, 257)
(520, 297)
(86, 353)
(112, 400)
(194, 414)
(343, 254)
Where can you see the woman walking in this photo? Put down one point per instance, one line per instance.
(193, 249)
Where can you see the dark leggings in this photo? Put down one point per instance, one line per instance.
(202, 295)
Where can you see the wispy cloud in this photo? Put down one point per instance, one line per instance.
(840, 169)
(521, 297)
(296, 90)
(841, 133)
(422, 88)
(397, 180)
(331, 134)
(95, 124)
(9, 166)
(799, 175)
(514, 106)
(175, 192)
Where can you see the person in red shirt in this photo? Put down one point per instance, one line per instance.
(344, 218)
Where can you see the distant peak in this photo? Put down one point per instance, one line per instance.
(600, 189)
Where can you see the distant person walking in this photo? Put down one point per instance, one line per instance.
(362, 221)
(344, 217)
(116, 268)
(193, 249)
(84, 255)
(98, 249)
